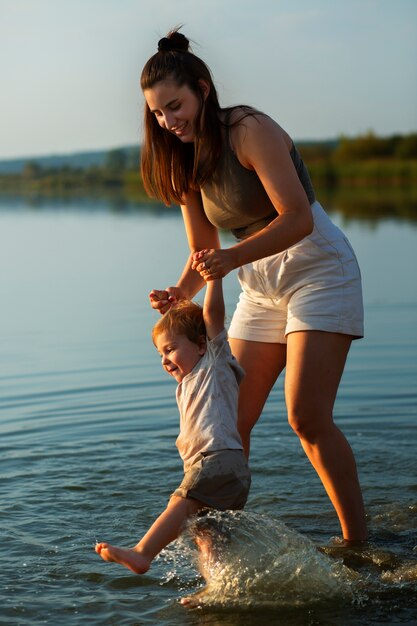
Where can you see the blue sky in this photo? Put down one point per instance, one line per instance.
(321, 68)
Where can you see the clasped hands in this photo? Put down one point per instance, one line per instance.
(210, 263)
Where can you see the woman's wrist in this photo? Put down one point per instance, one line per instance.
(188, 289)
(235, 256)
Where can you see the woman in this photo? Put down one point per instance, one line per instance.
(301, 302)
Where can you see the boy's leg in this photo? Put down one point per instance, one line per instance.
(165, 529)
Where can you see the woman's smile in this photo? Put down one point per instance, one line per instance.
(180, 129)
(175, 108)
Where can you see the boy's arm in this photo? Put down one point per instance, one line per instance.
(213, 308)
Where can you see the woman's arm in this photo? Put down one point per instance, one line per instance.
(263, 146)
(200, 234)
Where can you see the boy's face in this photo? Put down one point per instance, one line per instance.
(179, 355)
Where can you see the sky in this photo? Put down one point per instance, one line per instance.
(69, 78)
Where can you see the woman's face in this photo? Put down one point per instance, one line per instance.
(175, 107)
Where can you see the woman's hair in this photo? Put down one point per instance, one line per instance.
(169, 167)
(183, 318)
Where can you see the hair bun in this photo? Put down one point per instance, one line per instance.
(173, 41)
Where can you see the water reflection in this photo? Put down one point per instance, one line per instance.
(88, 423)
(369, 205)
(372, 205)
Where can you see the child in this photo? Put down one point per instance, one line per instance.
(192, 342)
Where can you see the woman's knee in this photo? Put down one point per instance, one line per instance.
(310, 423)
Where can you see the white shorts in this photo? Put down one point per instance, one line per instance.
(314, 285)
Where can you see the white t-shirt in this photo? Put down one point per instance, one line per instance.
(207, 402)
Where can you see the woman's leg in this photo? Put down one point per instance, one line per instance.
(315, 363)
(262, 362)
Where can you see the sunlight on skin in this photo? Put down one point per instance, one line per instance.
(133, 559)
(165, 529)
(129, 557)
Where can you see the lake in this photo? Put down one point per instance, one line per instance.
(88, 422)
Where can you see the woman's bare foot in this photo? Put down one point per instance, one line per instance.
(129, 557)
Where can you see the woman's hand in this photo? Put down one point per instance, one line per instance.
(162, 300)
(212, 264)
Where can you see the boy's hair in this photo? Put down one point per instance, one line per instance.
(183, 318)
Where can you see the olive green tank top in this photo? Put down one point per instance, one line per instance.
(234, 197)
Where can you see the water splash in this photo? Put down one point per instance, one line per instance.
(403, 574)
(252, 560)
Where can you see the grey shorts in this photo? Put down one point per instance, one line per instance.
(314, 285)
(220, 480)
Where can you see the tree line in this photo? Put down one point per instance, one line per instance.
(362, 148)
(363, 160)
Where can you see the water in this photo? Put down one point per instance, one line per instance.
(88, 422)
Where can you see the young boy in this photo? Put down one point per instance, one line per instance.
(192, 342)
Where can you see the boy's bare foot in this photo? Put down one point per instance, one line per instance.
(194, 601)
(129, 557)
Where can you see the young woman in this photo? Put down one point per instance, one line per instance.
(301, 301)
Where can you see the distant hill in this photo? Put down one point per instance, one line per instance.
(97, 158)
(344, 149)
(56, 161)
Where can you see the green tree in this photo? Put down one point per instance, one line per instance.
(367, 146)
(31, 170)
(116, 160)
(407, 147)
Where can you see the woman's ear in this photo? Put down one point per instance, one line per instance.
(204, 88)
